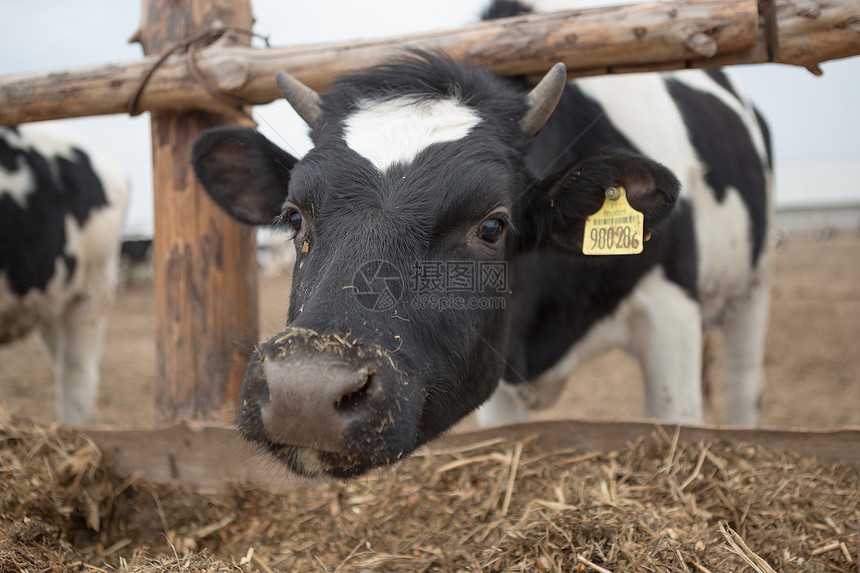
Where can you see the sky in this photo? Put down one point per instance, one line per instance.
(815, 121)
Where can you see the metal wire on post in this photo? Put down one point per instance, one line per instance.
(204, 37)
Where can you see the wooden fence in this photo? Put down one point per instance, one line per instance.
(199, 71)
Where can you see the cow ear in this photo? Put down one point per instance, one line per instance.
(560, 205)
(243, 172)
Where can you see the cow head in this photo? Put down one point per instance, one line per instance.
(405, 212)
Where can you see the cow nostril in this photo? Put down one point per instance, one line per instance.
(353, 400)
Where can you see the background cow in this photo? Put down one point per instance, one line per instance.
(423, 163)
(136, 260)
(61, 213)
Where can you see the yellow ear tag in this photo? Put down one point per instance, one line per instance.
(616, 229)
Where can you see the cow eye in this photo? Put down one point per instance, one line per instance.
(293, 217)
(491, 230)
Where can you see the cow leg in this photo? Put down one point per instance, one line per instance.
(666, 337)
(76, 362)
(503, 407)
(50, 341)
(710, 358)
(743, 356)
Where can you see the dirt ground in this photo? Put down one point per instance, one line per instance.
(812, 360)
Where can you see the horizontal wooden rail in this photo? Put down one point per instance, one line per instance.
(684, 33)
(206, 456)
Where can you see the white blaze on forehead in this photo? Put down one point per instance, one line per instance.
(397, 130)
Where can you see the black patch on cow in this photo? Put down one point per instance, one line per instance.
(680, 259)
(81, 185)
(720, 78)
(33, 237)
(8, 154)
(723, 143)
(504, 9)
(136, 250)
(71, 263)
(558, 298)
(765, 133)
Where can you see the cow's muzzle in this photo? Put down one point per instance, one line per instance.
(327, 406)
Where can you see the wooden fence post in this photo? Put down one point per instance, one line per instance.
(205, 264)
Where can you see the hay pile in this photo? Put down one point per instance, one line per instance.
(657, 505)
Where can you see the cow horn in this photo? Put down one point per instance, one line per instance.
(304, 100)
(543, 98)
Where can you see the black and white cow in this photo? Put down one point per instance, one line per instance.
(61, 213)
(422, 166)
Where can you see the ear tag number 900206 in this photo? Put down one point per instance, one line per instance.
(616, 228)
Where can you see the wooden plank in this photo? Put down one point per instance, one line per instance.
(808, 29)
(657, 35)
(205, 456)
(829, 446)
(205, 268)
(195, 455)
